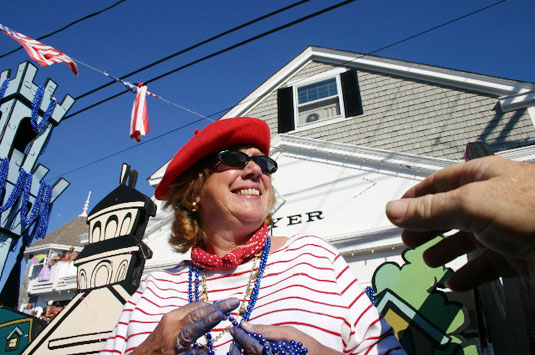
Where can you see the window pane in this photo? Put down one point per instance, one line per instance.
(317, 91)
(318, 111)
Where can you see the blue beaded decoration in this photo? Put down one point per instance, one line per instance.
(5, 84)
(370, 292)
(280, 347)
(41, 207)
(193, 293)
(17, 189)
(35, 109)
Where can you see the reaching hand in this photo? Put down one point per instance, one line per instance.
(491, 201)
(273, 333)
(185, 324)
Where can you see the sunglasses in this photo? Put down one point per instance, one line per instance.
(237, 159)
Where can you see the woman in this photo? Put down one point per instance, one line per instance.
(243, 288)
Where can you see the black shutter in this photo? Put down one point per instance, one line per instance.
(285, 109)
(351, 93)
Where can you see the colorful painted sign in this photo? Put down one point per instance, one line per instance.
(410, 298)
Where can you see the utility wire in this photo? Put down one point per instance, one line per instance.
(437, 27)
(124, 150)
(449, 22)
(228, 108)
(133, 88)
(234, 46)
(182, 51)
(67, 26)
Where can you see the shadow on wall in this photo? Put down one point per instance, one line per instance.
(497, 126)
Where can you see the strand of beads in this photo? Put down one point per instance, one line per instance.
(44, 216)
(3, 88)
(15, 193)
(280, 347)
(35, 109)
(193, 294)
(41, 209)
(4, 168)
(256, 289)
(370, 292)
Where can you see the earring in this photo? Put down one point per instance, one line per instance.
(194, 206)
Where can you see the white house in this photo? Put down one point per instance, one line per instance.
(351, 132)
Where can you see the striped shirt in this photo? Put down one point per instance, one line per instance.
(306, 284)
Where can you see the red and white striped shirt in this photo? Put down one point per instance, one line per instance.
(307, 285)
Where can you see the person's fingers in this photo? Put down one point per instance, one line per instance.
(194, 351)
(485, 268)
(449, 248)
(440, 211)
(457, 175)
(193, 331)
(202, 319)
(269, 332)
(227, 305)
(198, 310)
(413, 239)
(234, 349)
(249, 344)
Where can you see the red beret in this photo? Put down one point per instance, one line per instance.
(213, 138)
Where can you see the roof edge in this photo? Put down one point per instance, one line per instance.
(485, 84)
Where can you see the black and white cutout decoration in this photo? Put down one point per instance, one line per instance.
(109, 271)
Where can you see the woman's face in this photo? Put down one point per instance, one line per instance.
(235, 196)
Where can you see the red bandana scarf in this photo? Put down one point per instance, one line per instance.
(202, 259)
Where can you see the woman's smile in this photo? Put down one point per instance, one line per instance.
(247, 192)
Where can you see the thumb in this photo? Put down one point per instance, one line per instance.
(269, 332)
(439, 211)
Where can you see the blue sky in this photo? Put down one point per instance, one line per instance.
(497, 42)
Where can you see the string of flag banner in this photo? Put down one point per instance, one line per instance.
(45, 55)
(42, 54)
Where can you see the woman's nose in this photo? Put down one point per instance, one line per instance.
(252, 168)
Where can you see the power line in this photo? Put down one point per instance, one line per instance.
(228, 108)
(133, 88)
(386, 46)
(182, 51)
(437, 27)
(67, 26)
(234, 46)
(124, 150)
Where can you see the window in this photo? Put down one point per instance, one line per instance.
(13, 343)
(13, 340)
(319, 100)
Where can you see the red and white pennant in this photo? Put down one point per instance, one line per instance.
(139, 122)
(42, 54)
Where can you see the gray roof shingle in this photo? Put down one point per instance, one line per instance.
(67, 234)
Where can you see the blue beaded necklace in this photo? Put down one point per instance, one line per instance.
(35, 109)
(193, 292)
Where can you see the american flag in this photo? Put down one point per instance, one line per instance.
(139, 122)
(42, 54)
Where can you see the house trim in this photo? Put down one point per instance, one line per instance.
(406, 162)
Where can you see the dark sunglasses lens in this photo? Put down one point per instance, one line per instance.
(237, 159)
(267, 164)
(233, 158)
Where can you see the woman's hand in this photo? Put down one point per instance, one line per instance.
(185, 324)
(273, 333)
